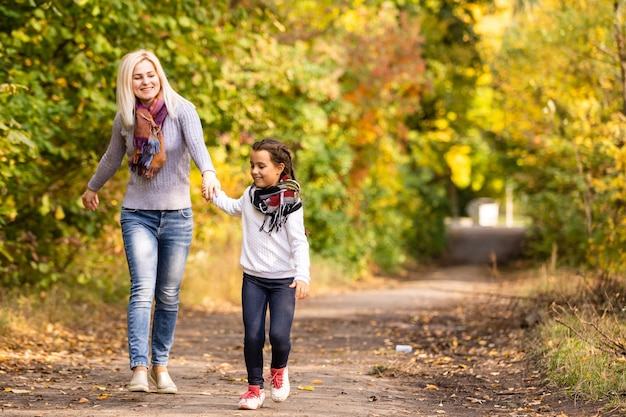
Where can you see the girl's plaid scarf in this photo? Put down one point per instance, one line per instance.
(149, 154)
(276, 202)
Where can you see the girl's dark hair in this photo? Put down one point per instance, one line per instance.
(279, 153)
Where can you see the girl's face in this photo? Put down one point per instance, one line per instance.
(146, 82)
(264, 171)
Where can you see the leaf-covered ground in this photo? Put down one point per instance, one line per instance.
(469, 358)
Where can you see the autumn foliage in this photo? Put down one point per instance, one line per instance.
(399, 112)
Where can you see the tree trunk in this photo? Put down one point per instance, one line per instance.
(621, 46)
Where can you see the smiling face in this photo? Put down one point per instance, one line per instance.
(146, 82)
(264, 171)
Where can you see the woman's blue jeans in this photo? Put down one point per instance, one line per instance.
(256, 295)
(157, 244)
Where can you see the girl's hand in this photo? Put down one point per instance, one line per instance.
(90, 200)
(205, 193)
(302, 289)
(210, 185)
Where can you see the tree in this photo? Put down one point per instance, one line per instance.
(564, 132)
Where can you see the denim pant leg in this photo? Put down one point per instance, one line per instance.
(175, 236)
(256, 294)
(148, 237)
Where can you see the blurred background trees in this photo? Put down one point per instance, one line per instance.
(399, 112)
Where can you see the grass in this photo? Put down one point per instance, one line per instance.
(582, 343)
(580, 365)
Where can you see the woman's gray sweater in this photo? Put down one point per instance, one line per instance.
(169, 188)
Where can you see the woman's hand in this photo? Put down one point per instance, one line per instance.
(210, 185)
(90, 200)
(302, 289)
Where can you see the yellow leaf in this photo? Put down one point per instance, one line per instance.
(317, 382)
(103, 397)
(83, 400)
(59, 214)
(306, 388)
(432, 387)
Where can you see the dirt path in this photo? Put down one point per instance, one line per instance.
(467, 360)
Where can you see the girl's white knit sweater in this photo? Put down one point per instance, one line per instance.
(280, 254)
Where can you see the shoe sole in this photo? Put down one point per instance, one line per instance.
(139, 389)
(245, 407)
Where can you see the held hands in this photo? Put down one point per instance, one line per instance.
(90, 200)
(302, 289)
(210, 185)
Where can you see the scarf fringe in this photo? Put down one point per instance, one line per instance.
(276, 203)
(152, 146)
(276, 221)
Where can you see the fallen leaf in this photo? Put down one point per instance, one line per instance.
(432, 387)
(306, 388)
(475, 400)
(83, 400)
(317, 382)
(20, 391)
(103, 397)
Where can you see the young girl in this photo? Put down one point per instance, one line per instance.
(275, 261)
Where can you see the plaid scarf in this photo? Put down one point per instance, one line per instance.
(276, 202)
(149, 143)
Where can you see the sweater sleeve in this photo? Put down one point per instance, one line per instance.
(112, 159)
(193, 135)
(299, 245)
(228, 205)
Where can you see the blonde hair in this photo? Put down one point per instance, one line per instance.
(124, 93)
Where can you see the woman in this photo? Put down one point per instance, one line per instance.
(160, 132)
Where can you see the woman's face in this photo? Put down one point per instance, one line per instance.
(264, 171)
(146, 82)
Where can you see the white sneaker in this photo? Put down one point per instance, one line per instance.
(253, 398)
(279, 380)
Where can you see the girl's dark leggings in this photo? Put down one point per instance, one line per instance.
(257, 294)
